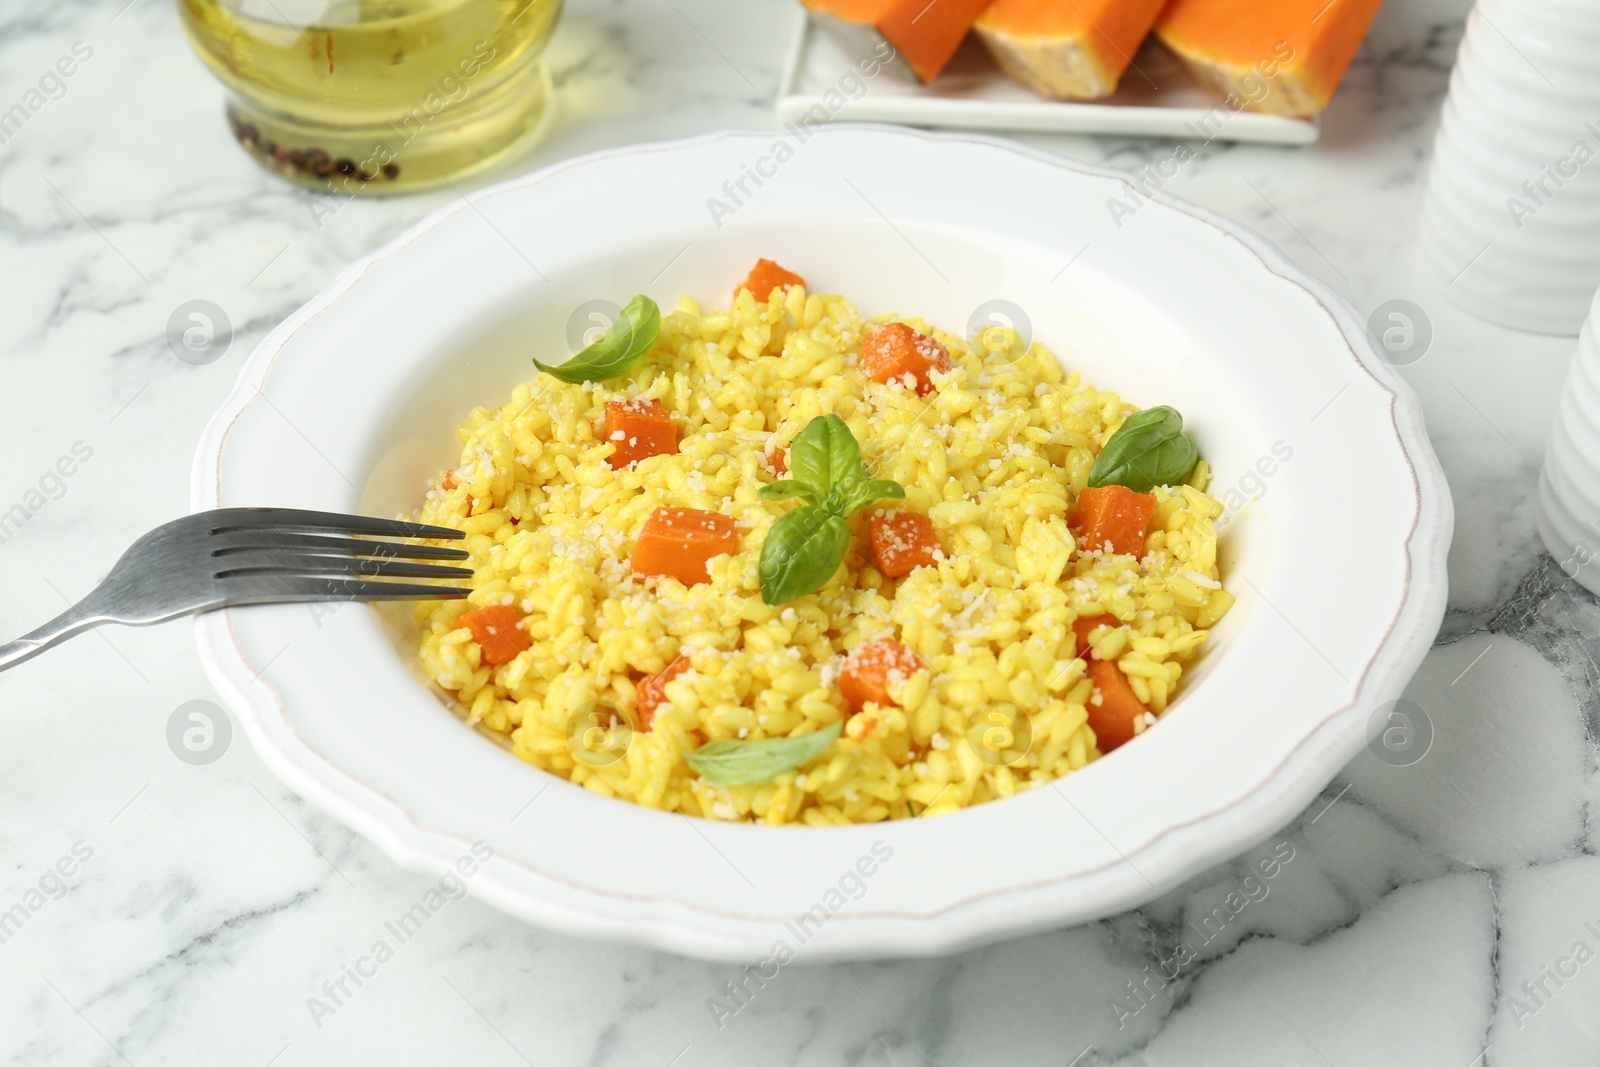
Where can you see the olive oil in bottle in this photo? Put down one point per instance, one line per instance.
(378, 95)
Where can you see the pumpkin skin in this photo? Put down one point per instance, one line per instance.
(1066, 49)
(1282, 57)
(923, 36)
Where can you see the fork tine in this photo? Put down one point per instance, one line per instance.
(402, 591)
(276, 541)
(277, 588)
(297, 564)
(226, 520)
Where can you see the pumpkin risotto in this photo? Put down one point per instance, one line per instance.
(784, 564)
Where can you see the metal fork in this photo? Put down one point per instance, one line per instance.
(235, 556)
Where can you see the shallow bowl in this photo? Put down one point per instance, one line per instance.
(1334, 541)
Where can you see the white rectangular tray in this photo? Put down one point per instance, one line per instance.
(1156, 98)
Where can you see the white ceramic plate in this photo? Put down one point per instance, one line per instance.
(1339, 566)
(1157, 97)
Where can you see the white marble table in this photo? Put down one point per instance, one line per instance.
(1429, 913)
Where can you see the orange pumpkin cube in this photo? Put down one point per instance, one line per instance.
(680, 542)
(1113, 517)
(652, 691)
(872, 668)
(1115, 719)
(639, 429)
(1085, 625)
(902, 541)
(498, 632)
(894, 352)
(766, 276)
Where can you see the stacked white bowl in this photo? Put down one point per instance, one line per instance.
(1511, 219)
(1569, 492)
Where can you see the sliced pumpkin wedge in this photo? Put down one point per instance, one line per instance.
(1282, 57)
(922, 34)
(1066, 49)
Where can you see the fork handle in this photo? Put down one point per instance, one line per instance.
(81, 616)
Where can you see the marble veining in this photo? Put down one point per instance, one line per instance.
(1446, 913)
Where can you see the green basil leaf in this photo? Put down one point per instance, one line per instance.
(825, 454)
(617, 351)
(1148, 449)
(758, 762)
(873, 489)
(849, 470)
(805, 547)
(801, 552)
(788, 489)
